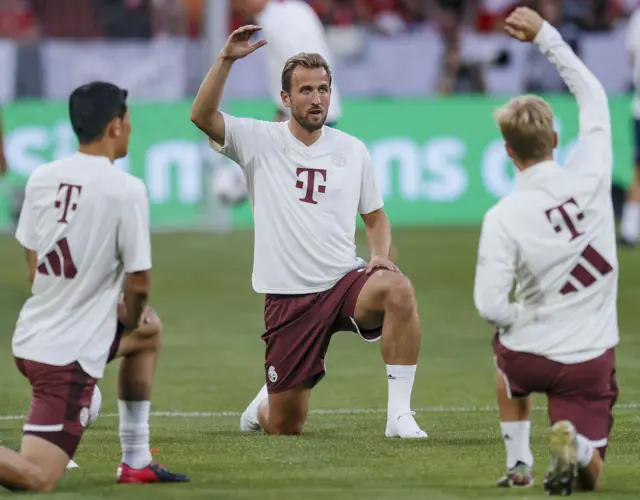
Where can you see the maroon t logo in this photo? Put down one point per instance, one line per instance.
(581, 274)
(67, 202)
(562, 210)
(310, 183)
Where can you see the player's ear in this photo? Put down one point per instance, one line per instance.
(508, 150)
(116, 127)
(511, 154)
(285, 99)
(555, 139)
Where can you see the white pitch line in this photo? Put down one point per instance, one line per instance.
(346, 411)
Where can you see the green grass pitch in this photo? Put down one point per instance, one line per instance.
(212, 365)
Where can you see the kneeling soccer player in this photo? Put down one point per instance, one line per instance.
(307, 185)
(85, 229)
(555, 236)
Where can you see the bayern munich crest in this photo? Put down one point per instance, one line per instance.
(271, 373)
(338, 160)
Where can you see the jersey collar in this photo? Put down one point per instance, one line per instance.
(301, 144)
(535, 173)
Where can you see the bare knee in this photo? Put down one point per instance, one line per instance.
(149, 335)
(156, 337)
(589, 477)
(286, 426)
(45, 486)
(285, 423)
(38, 481)
(400, 296)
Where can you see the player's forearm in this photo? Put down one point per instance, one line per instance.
(495, 307)
(136, 297)
(493, 282)
(583, 84)
(378, 235)
(207, 102)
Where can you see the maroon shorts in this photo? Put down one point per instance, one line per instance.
(299, 329)
(583, 393)
(61, 397)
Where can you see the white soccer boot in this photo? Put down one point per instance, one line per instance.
(249, 419)
(404, 426)
(72, 465)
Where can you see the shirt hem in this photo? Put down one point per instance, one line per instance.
(97, 374)
(298, 291)
(565, 359)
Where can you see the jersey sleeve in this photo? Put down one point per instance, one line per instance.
(370, 195)
(242, 139)
(495, 273)
(134, 238)
(592, 156)
(26, 230)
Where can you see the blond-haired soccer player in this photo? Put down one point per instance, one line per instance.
(554, 235)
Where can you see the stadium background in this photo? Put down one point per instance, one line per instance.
(440, 163)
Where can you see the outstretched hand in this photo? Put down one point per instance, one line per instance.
(523, 24)
(239, 45)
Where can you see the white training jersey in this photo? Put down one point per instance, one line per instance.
(88, 222)
(633, 50)
(290, 27)
(305, 202)
(555, 235)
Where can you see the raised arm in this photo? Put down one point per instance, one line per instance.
(595, 124)
(583, 84)
(204, 111)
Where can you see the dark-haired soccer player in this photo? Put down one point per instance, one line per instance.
(84, 226)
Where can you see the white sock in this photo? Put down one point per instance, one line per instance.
(585, 450)
(400, 379)
(516, 436)
(134, 433)
(630, 223)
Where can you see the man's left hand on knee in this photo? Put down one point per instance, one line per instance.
(381, 263)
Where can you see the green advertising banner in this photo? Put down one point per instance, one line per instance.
(439, 161)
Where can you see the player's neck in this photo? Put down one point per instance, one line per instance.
(522, 166)
(306, 137)
(97, 149)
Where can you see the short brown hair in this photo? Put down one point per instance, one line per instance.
(526, 123)
(306, 60)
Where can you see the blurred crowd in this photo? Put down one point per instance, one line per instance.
(26, 20)
(480, 15)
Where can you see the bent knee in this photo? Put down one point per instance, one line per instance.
(286, 425)
(400, 295)
(47, 486)
(286, 428)
(150, 334)
(39, 482)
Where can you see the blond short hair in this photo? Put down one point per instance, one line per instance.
(526, 123)
(306, 60)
